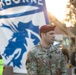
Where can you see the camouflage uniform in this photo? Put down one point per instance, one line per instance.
(46, 61)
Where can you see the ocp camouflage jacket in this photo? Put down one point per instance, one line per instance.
(46, 61)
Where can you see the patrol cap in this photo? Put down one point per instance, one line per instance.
(46, 28)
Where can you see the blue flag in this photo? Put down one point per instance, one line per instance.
(19, 30)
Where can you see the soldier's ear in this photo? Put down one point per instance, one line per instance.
(43, 34)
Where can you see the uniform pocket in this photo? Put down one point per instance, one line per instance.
(58, 71)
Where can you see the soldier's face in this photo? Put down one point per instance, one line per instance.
(49, 37)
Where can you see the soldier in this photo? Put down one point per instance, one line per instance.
(73, 60)
(1, 65)
(44, 58)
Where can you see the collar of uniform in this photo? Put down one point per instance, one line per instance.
(44, 49)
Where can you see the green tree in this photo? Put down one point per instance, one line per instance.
(71, 13)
